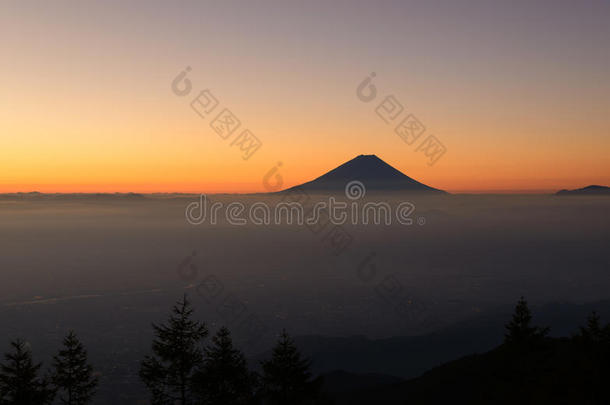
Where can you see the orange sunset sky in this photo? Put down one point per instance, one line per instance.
(519, 93)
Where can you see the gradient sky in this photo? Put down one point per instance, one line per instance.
(519, 92)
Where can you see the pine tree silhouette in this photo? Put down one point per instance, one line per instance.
(177, 354)
(286, 377)
(19, 380)
(224, 378)
(593, 332)
(519, 331)
(73, 375)
(594, 342)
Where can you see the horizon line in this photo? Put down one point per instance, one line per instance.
(453, 192)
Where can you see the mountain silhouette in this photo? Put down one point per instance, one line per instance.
(589, 190)
(371, 171)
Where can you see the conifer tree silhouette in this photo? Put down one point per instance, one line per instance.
(72, 374)
(19, 380)
(177, 354)
(286, 376)
(224, 378)
(594, 332)
(519, 330)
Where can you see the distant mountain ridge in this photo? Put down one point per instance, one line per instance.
(371, 171)
(589, 190)
(410, 356)
(372, 369)
(35, 195)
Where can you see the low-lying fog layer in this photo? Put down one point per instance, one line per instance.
(107, 267)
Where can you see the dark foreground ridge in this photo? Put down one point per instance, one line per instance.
(370, 170)
(589, 190)
(186, 365)
(527, 368)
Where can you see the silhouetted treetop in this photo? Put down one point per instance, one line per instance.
(72, 374)
(519, 329)
(224, 378)
(19, 380)
(286, 376)
(177, 354)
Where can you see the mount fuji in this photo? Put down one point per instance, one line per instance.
(373, 172)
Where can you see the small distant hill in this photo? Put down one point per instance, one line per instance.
(589, 190)
(371, 171)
